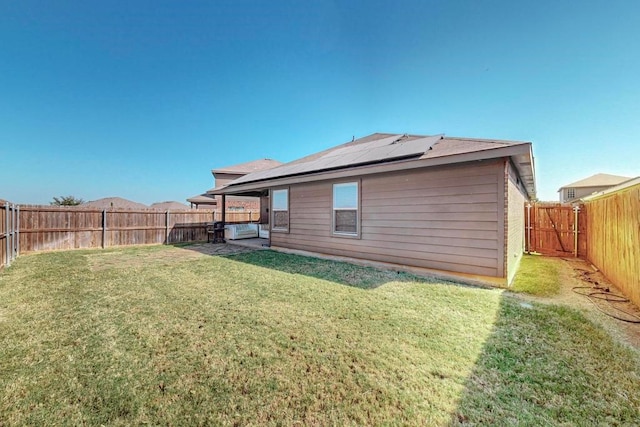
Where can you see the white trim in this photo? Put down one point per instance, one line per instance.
(523, 149)
(274, 228)
(356, 234)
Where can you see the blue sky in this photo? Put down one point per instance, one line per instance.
(141, 99)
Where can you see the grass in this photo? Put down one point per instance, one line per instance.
(164, 335)
(538, 275)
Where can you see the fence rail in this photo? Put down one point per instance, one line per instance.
(41, 228)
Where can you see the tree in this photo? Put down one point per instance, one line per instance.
(66, 201)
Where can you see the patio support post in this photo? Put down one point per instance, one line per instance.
(224, 210)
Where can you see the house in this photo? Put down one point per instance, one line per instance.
(223, 176)
(115, 203)
(436, 202)
(585, 187)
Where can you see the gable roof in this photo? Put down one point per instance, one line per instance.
(598, 180)
(622, 186)
(394, 151)
(248, 167)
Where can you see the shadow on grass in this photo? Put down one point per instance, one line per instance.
(549, 365)
(540, 364)
(343, 273)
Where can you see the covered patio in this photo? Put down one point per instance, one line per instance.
(262, 237)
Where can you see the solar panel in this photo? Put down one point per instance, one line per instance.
(385, 149)
(362, 147)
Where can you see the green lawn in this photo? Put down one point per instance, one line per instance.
(166, 336)
(538, 275)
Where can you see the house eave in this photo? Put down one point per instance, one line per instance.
(521, 155)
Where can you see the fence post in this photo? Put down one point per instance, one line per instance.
(576, 209)
(528, 228)
(10, 235)
(166, 228)
(13, 232)
(6, 234)
(104, 228)
(18, 231)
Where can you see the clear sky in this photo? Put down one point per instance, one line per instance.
(141, 99)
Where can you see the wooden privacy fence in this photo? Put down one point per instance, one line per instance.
(9, 236)
(54, 228)
(556, 229)
(614, 237)
(607, 234)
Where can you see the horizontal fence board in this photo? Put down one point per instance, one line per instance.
(58, 228)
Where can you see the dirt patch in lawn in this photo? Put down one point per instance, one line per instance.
(165, 255)
(577, 273)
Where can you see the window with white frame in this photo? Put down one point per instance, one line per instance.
(571, 193)
(345, 208)
(280, 209)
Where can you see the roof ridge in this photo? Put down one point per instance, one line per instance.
(592, 181)
(499, 141)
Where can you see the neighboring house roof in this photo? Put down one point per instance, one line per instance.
(240, 169)
(395, 150)
(598, 180)
(248, 167)
(203, 199)
(165, 206)
(626, 184)
(114, 202)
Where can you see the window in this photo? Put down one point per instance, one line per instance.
(280, 209)
(345, 208)
(571, 193)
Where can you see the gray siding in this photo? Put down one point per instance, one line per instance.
(580, 192)
(443, 218)
(515, 224)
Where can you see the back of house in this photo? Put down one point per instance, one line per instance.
(435, 202)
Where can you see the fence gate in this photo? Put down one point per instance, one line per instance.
(555, 229)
